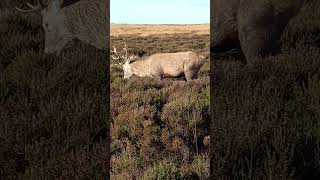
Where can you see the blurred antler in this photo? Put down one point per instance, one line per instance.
(126, 51)
(33, 8)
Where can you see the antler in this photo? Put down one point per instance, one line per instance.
(125, 50)
(116, 53)
(132, 57)
(118, 65)
(115, 58)
(124, 58)
(38, 7)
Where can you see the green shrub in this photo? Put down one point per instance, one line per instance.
(199, 166)
(162, 171)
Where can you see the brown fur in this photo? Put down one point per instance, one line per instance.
(254, 25)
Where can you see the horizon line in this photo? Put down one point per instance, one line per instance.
(158, 23)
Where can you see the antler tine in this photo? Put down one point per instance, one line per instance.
(33, 8)
(26, 11)
(116, 65)
(115, 58)
(125, 50)
(22, 10)
(115, 52)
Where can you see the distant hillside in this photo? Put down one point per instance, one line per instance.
(158, 29)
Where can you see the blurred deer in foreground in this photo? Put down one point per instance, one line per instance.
(161, 65)
(84, 20)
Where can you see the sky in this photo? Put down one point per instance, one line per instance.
(160, 11)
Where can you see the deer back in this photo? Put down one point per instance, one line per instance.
(87, 21)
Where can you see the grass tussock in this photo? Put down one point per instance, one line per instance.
(158, 127)
(265, 116)
(52, 121)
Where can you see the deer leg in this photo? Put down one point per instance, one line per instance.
(158, 76)
(190, 75)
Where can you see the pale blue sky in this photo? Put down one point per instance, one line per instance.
(160, 11)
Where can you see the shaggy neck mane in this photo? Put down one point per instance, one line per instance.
(140, 68)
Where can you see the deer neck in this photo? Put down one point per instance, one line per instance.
(69, 22)
(140, 68)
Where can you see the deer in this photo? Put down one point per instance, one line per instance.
(84, 20)
(161, 65)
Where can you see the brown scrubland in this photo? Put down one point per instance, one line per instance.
(159, 127)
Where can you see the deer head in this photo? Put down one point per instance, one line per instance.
(53, 23)
(127, 71)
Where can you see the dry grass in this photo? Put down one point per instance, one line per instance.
(147, 30)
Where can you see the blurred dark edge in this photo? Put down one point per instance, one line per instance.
(104, 106)
(288, 139)
(106, 92)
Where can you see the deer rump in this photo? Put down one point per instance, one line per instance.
(165, 65)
